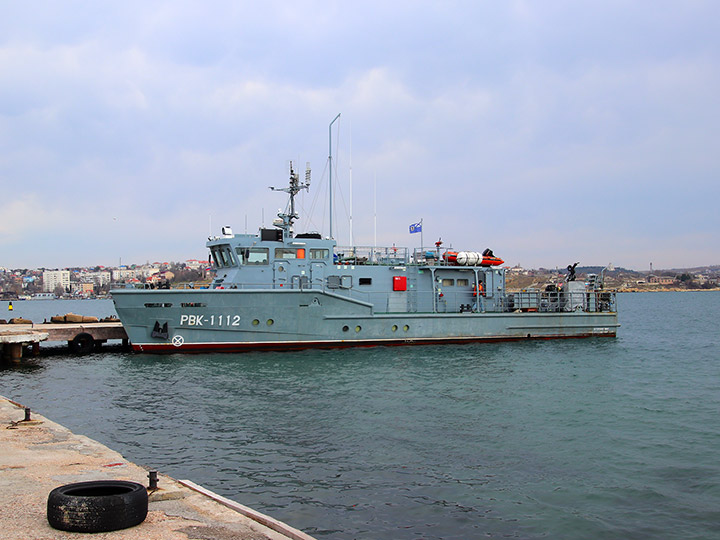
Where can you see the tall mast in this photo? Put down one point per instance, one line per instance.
(352, 238)
(330, 162)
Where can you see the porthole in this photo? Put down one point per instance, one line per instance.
(346, 328)
(255, 322)
(270, 322)
(406, 328)
(394, 327)
(358, 328)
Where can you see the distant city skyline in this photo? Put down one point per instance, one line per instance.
(550, 132)
(204, 264)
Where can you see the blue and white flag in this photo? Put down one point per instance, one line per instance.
(415, 227)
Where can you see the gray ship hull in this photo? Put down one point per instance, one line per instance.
(167, 321)
(281, 290)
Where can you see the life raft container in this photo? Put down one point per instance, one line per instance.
(450, 256)
(471, 258)
(468, 258)
(491, 261)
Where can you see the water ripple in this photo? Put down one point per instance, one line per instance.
(599, 438)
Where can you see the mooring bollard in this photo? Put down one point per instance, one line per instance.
(153, 476)
(27, 414)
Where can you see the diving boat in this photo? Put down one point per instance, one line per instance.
(278, 290)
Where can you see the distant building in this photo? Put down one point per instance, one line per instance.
(101, 278)
(661, 280)
(82, 289)
(160, 277)
(123, 274)
(53, 278)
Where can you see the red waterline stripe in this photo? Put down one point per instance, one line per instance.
(301, 345)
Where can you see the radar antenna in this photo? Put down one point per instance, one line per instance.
(293, 189)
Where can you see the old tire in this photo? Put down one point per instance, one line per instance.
(82, 344)
(97, 506)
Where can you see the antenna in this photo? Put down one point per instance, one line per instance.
(375, 213)
(330, 168)
(293, 189)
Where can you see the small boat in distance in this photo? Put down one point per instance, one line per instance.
(43, 296)
(278, 290)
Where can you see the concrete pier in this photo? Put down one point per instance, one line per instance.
(38, 455)
(13, 340)
(81, 337)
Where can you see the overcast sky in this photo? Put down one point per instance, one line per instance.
(549, 131)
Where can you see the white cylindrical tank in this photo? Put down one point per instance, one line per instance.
(468, 258)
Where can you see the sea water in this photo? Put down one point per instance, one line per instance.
(601, 438)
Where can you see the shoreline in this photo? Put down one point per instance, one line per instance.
(634, 290)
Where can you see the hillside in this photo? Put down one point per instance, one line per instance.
(622, 279)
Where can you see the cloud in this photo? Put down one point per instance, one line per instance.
(510, 123)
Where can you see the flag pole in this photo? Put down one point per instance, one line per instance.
(421, 235)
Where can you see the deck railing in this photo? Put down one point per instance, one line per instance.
(393, 255)
(371, 255)
(558, 301)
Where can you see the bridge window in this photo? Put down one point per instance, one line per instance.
(227, 256)
(462, 283)
(319, 253)
(365, 281)
(223, 256)
(287, 253)
(253, 256)
(448, 282)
